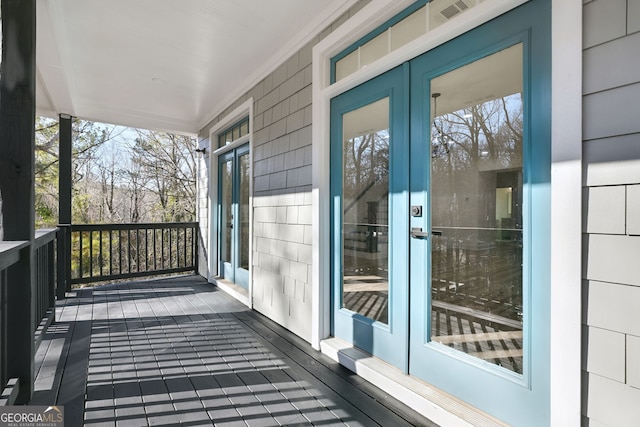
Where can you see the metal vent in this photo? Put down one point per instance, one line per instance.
(461, 5)
(450, 11)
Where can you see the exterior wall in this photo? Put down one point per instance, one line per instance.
(282, 151)
(611, 178)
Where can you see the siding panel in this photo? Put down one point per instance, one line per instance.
(612, 161)
(614, 307)
(605, 210)
(604, 20)
(599, 74)
(610, 114)
(614, 259)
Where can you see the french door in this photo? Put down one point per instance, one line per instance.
(440, 213)
(233, 216)
(369, 157)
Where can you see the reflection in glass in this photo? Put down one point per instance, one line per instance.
(476, 208)
(365, 202)
(243, 161)
(226, 210)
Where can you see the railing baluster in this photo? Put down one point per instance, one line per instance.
(90, 253)
(170, 248)
(155, 258)
(162, 248)
(138, 251)
(80, 234)
(146, 249)
(120, 251)
(184, 246)
(110, 252)
(100, 259)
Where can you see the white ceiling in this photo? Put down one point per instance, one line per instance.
(164, 64)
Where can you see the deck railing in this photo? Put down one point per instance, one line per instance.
(102, 252)
(43, 294)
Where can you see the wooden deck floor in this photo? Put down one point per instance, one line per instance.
(180, 352)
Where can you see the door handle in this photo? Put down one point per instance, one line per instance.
(417, 233)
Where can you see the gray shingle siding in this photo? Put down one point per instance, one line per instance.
(281, 188)
(611, 132)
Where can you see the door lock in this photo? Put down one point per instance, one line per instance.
(416, 210)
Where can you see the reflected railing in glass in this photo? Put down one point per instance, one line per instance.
(477, 205)
(366, 272)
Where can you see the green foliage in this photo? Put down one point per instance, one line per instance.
(149, 177)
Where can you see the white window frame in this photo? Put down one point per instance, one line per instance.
(244, 110)
(566, 181)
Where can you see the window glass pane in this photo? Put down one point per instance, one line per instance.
(476, 208)
(410, 28)
(244, 128)
(243, 161)
(226, 210)
(347, 65)
(374, 49)
(365, 192)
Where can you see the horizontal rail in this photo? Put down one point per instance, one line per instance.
(157, 226)
(101, 252)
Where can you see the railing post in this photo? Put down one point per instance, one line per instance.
(196, 247)
(17, 124)
(64, 260)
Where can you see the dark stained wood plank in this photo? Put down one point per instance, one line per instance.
(376, 404)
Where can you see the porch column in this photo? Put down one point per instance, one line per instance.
(17, 145)
(64, 204)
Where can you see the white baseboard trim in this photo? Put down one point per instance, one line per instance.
(436, 405)
(232, 289)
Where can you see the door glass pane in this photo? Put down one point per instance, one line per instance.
(476, 208)
(365, 192)
(243, 161)
(226, 210)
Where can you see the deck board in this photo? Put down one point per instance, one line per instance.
(180, 352)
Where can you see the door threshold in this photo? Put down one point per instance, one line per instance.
(431, 402)
(236, 291)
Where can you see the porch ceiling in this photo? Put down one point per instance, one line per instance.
(164, 64)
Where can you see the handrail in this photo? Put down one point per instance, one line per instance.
(10, 252)
(44, 236)
(131, 226)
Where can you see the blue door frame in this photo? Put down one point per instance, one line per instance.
(232, 227)
(517, 398)
(384, 340)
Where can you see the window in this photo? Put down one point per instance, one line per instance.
(234, 133)
(415, 21)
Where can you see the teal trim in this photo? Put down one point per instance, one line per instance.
(388, 342)
(381, 29)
